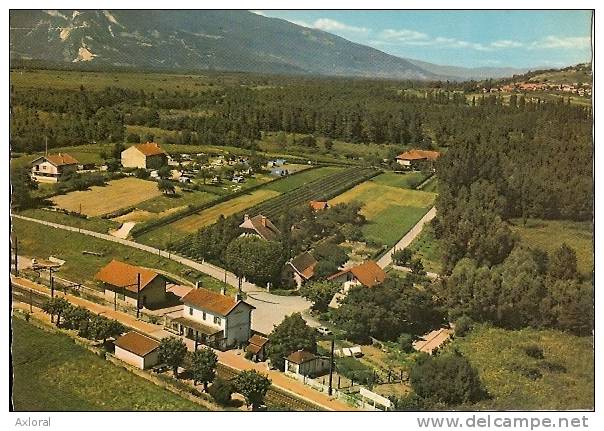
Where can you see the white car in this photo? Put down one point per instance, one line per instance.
(324, 331)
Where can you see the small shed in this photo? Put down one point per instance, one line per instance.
(305, 363)
(137, 349)
(257, 346)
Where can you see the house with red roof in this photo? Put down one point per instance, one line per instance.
(215, 319)
(144, 156)
(301, 268)
(260, 226)
(53, 167)
(121, 283)
(414, 158)
(368, 274)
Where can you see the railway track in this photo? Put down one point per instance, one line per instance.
(274, 395)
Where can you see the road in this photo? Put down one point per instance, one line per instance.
(270, 309)
(23, 288)
(386, 259)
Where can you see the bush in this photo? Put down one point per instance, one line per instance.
(405, 342)
(448, 379)
(534, 351)
(463, 325)
(221, 390)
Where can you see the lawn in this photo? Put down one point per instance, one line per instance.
(390, 211)
(431, 186)
(406, 181)
(36, 240)
(548, 235)
(427, 247)
(95, 224)
(115, 195)
(567, 368)
(52, 373)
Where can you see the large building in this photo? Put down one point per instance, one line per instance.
(414, 158)
(53, 167)
(215, 319)
(120, 281)
(144, 156)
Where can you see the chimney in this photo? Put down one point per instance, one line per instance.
(197, 284)
(263, 221)
(223, 291)
(246, 217)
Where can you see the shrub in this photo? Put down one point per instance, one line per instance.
(405, 342)
(221, 390)
(463, 325)
(534, 351)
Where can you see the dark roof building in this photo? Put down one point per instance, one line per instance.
(260, 225)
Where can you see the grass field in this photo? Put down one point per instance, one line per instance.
(548, 235)
(52, 373)
(72, 80)
(95, 224)
(567, 368)
(428, 249)
(390, 211)
(194, 222)
(406, 181)
(162, 203)
(116, 194)
(36, 240)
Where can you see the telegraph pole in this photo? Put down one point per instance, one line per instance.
(52, 283)
(138, 294)
(31, 300)
(16, 256)
(330, 390)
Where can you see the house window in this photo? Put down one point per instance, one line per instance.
(191, 311)
(217, 320)
(203, 315)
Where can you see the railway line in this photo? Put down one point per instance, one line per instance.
(274, 395)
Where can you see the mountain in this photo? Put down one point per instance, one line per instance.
(200, 40)
(465, 73)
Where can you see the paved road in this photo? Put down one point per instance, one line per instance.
(231, 358)
(270, 309)
(386, 259)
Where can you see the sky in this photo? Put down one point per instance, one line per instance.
(460, 38)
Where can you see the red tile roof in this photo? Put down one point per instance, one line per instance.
(136, 343)
(149, 149)
(301, 356)
(368, 273)
(304, 264)
(318, 205)
(121, 274)
(418, 155)
(211, 301)
(61, 159)
(262, 226)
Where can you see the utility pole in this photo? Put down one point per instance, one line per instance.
(52, 283)
(31, 300)
(330, 390)
(138, 294)
(16, 256)
(196, 340)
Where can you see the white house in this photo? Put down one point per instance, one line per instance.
(305, 363)
(137, 349)
(215, 319)
(413, 158)
(53, 167)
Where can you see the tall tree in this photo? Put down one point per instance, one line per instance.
(172, 351)
(203, 366)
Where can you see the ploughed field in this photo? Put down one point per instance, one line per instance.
(117, 194)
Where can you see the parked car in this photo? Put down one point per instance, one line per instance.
(324, 331)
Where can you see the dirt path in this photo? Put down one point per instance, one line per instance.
(124, 230)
